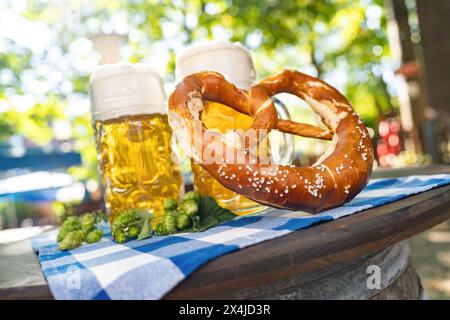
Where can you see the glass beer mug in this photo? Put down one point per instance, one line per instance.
(234, 62)
(133, 136)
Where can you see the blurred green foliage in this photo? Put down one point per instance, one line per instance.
(342, 41)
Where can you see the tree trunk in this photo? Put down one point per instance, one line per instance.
(434, 19)
(412, 109)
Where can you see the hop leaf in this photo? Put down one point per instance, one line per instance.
(209, 215)
(146, 231)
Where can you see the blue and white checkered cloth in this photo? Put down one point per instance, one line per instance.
(150, 268)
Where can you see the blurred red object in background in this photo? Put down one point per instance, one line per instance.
(388, 145)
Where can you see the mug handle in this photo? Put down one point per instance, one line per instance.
(287, 155)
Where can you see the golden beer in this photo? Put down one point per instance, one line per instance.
(137, 165)
(220, 117)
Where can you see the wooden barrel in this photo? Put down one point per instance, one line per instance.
(387, 274)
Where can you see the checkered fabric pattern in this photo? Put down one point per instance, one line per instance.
(150, 268)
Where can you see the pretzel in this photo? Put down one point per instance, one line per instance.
(336, 178)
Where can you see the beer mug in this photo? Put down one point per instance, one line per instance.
(133, 136)
(235, 63)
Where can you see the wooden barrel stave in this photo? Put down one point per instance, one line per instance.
(348, 280)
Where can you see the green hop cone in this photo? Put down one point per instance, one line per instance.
(190, 207)
(132, 232)
(71, 224)
(171, 212)
(192, 195)
(170, 204)
(183, 221)
(94, 236)
(160, 230)
(119, 236)
(169, 222)
(87, 222)
(127, 225)
(125, 218)
(72, 240)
